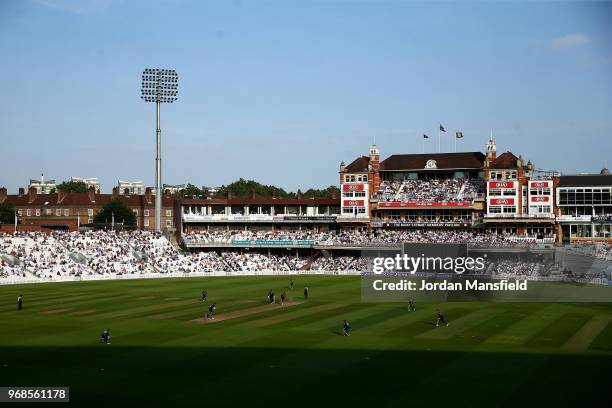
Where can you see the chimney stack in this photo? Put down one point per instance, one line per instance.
(61, 194)
(31, 195)
(115, 192)
(91, 194)
(21, 191)
(2, 194)
(148, 195)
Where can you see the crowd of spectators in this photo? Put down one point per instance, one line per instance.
(379, 237)
(40, 255)
(226, 237)
(450, 189)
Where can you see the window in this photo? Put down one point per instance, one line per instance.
(89, 220)
(135, 213)
(38, 212)
(90, 212)
(495, 210)
(539, 191)
(146, 222)
(19, 212)
(48, 211)
(146, 213)
(168, 223)
(365, 178)
(66, 212)
(58, 212)
(29, 212)
(168, 213)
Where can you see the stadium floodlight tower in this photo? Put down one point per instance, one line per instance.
(159, 86)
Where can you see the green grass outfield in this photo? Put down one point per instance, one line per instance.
(492, 354)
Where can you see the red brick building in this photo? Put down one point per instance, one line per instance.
(66, 211)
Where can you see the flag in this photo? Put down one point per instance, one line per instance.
(459, 135)
(442, 128)
(425, 136)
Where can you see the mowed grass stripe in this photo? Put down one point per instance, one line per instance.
(491, 327)
(423, 319)
(371, 317)
(294, 314)
(334, 319)
(559, 331)
(83, 312)
(525, 329)
(198, 308)
(245, 312)
(582, 339)
(460, 325)
(43, 302)
(142, 309)
(314, 321)
(402, 317)
(56, 311)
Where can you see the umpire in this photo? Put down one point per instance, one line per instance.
(19, 302)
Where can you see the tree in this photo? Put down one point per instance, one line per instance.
(123, 213)
(191, 191)
(244, 188)
(7, 214)
(329, 192)
(72, 187)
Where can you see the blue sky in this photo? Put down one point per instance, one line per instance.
(281, 92)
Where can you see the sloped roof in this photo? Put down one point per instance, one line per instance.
(506, 160)
(585, 180)
(463, 160)
(81, 200)
(358, 165)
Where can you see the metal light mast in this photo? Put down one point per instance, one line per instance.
(159, 86)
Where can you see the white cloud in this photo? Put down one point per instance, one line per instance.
(570, 40)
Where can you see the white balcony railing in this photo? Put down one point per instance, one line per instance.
(253, 217)
(574, 218)
(521, 216)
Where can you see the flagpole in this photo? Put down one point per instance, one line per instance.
(439, 138)
(455, 142)
(423, 148)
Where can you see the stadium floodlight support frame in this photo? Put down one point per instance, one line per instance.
(159, 86)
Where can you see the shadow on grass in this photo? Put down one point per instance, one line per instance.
(236, 376)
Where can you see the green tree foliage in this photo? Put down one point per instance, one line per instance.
(121, 211)
(191, 190)
(7, 214)
(329, 192)
(73, 187)
(244, 188)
